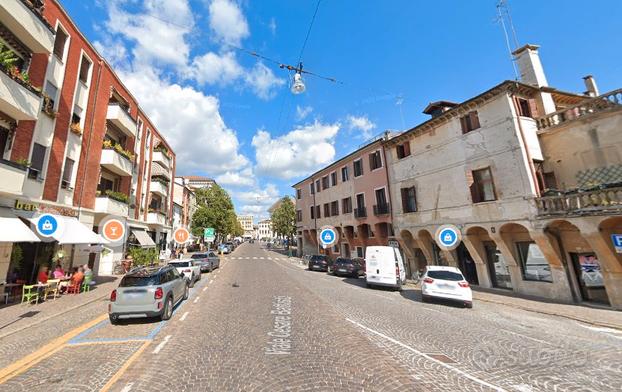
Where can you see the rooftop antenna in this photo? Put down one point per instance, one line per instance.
(503, 12)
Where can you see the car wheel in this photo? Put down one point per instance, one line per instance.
(114, 319)
(167, 312)
(425, 298)
(369, 285)
(186, 292)
(468, 305)
(200, 277)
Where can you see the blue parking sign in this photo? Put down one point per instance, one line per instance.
(617, 242)
(47, 225)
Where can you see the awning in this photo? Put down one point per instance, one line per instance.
(73, 231)
(12, 229)
(143, 238)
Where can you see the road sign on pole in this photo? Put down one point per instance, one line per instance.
(448, 237)
(617, 242)
(209, 234)
(328, 236)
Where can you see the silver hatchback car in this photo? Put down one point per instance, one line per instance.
(148, 292)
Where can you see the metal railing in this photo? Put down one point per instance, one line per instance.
(382, 209)
(588, 202)
(360, 212)
(589, 106)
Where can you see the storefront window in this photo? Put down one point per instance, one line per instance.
(533, 263)
(499, 270)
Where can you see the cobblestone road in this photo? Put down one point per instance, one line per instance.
(264, 323)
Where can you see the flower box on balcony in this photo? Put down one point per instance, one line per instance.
(76, 129)
(118, 196)
(109, 145)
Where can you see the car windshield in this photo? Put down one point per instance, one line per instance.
(139, 281)
(198, 256)
(343, 261)
(445, 275)
(318, 258)
(178, 264)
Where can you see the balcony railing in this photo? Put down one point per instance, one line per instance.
(582, 203)
(587, 107)
(382, 209)
(360, 212)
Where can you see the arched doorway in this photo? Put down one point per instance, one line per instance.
(532, 263)
(496, 263)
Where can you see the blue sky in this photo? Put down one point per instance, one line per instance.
(231, 116)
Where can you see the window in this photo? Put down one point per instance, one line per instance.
(409, 199)
(36, 161)
(533, 263)
(358, 168)
(344, 174)
(482, 188)
(334, 208)
(359, 251)
(526, 107)
(317, 186)
(59, 43)
(326, 210)
(311, 188)
(298, 215)
(52, 92)
(360, 200)
(382, 206)
(403, 150)
(67, 173)
(106, 184)
(336, 248)
(298, 194)
(469, 122)
(312, 209)
(324, 182)
(85, 67)
(346, 205)
(375, 161)
(333, 179)
(318, 212)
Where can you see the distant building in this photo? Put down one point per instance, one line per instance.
(197, 182)
(184, 204)
(264, 230)
(247, 224)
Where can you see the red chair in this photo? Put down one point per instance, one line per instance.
(74, 287)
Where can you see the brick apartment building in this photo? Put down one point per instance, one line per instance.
(74, 143)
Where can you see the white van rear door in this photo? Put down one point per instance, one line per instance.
(400, 263)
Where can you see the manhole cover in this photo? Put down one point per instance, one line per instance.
(441, 358)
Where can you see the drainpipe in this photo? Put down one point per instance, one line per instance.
(386, 170)
(532, 168)
(315, 217)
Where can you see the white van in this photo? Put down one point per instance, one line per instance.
(384, 267)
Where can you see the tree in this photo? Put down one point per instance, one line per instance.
(214, 209)
(284, 219)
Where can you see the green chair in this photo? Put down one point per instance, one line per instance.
(30, 293)
(86, 285)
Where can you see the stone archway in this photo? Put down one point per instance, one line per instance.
(416, 261)
(484, 253)
(426, 244)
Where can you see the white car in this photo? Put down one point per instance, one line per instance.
(188, 269)
(447, 283)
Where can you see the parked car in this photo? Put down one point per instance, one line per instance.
(447, 283)
(384, 267)
(231, 246)
(207, 261)
(148, 292)
(224, 249)
(348, 267)
(187, 268)
(318, 263)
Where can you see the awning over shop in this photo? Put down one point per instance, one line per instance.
(73, 231)
(12, 229)
(143, 238)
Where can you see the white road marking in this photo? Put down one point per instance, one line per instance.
(205, 288)
(527, 337)
(161, 345)
(196, 300)
(443, 364)
(254, 257)
(608, 331)
(127, 387)
(183, 317)
(261, 258)
(269, 258)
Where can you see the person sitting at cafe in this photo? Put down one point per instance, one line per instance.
(58, 272)
(42, 277)
(78, 276)
(88, 272)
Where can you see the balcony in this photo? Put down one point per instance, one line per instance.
(27, 24)
(108, 205)
(608, 101)
(156, 218)
(382, 209)
(13, 176)
(594, 202)
(17, 99)
(121, 119)
(158, 187)
(161, 158)
(360, 213)
(116, 163)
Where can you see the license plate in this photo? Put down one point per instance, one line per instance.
(446, 286)
(342, 270)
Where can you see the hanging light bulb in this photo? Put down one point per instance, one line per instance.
(298, 87)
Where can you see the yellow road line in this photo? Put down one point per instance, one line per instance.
(123, 368)
(120, 341)
(32, 359)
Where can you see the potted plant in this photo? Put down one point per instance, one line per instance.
(75, 128)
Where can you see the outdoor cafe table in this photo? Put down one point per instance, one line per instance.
(10, 286)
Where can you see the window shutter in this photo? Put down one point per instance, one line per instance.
(414, 198)
(533, 107)
(406, 148)
(404, 192)
(463, 124)
(474, 120)
(472, 187)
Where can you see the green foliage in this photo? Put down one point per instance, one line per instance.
(284, 218)
(110, 145)
(7, 57)
(143, 256)
(17, 255)
(118, 196)
(214, 209)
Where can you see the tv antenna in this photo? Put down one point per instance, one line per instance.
(503, 14)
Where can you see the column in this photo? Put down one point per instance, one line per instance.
(477, 251)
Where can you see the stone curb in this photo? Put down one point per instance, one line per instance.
(46, 318)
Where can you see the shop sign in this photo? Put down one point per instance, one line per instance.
(43, 208)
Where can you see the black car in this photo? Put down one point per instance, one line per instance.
(348, 267)
(318, 263)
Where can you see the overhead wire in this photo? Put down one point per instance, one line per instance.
(304, 44)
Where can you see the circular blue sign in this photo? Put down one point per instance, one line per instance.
(448, 237)
(327, 236)
(47, 225)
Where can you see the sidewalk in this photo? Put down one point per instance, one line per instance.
(17, 317)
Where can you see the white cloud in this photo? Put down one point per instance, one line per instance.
(303, 112)
(362, 124)
(257, 201)
(272, 26)
(242, 178)
(227, 22)
(212, 68)
(299, 152)
(262, 81)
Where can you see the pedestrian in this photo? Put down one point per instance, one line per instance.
(58, 272)
(42, 277)
(173, 253)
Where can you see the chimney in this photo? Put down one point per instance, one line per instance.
(590, 85)
(529, 65)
